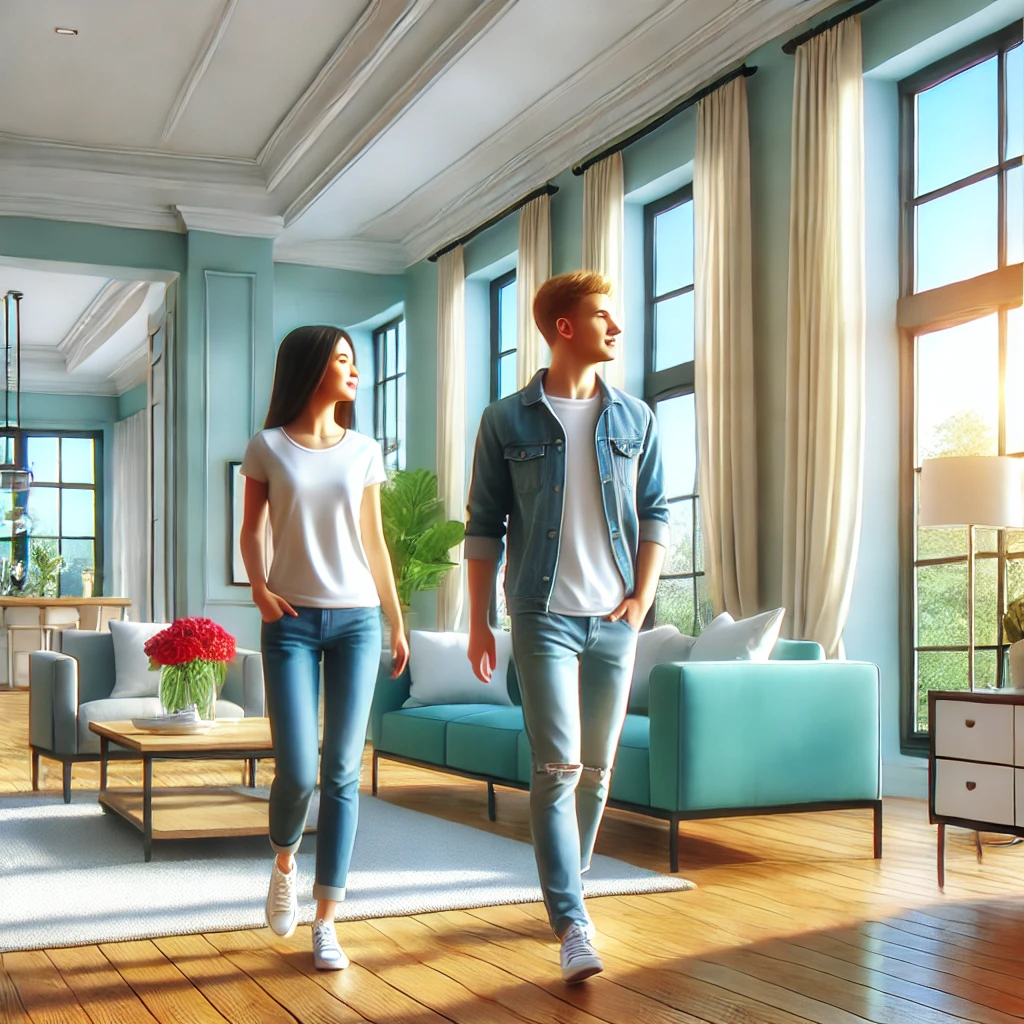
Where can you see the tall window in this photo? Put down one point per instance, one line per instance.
(962, 192)
(504, 337)
(61, 513)
(389, 391)
(682, 597)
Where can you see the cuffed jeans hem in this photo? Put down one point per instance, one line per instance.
(278, 848)
(334, 893)
(565, 924)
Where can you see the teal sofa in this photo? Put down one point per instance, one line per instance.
(796, 733)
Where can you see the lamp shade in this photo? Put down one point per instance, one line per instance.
(972, 490)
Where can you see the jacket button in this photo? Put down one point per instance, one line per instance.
(552, 534)
(522, 455)
(547, 579)
(558, 488)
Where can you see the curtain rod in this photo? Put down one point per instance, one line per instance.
(745, 70)
(790, 47)
(545, 190)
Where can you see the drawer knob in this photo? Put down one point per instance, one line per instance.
(969, 722)
(972, 785)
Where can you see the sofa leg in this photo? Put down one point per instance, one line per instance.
(878, 829)
(673, 844)
(374, 773)
(35, 770)
(66, 779)
(492, 811)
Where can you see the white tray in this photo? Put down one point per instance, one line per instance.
(170, 727)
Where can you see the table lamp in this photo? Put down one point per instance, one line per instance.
(971, 490)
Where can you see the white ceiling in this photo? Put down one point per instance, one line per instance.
(360, 133)
(80, 333)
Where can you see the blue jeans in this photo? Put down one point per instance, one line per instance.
(574, 676)
(350, 641)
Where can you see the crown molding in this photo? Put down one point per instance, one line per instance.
(486, 14)
(681, 70)
(230, 222)
(43, 371)
(198, 69)
(132, 370)
(88, 211)
(116, 303)
(346, 254)
(382, 25)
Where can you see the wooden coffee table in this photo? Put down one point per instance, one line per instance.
(188, 813)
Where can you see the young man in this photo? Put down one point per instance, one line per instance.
(574, 467)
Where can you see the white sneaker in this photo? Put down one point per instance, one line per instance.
(327, 954)
(579, 958)
(282, 903)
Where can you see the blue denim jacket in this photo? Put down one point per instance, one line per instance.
(519, 473)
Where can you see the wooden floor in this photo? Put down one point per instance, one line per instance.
(792, 921)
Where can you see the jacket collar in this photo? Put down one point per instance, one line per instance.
(534, 391)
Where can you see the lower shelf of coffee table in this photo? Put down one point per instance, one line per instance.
(209, 812)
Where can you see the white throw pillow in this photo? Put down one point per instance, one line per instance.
(751, 639)
(656, 646)
(441, 674)
(132, 677)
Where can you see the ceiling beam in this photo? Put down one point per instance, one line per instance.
(346, 254)
(378, 30)
(116, 303)
(198, 69)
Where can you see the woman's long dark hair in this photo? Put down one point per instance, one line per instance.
(302, 360)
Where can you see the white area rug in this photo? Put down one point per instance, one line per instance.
(70, 874)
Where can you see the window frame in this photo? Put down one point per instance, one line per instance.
(497, 354)
(674, 381)
(913, 742)
(21, 436)
(380, 381)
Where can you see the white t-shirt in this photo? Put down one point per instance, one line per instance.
(315, 497)
(587, 580)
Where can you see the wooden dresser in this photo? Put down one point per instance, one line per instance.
(976, 763)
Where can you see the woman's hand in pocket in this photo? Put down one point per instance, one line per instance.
(271, 606)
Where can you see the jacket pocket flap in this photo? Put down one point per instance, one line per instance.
(627, 446)
(524, 452)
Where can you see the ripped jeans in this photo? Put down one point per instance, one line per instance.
(574, 676)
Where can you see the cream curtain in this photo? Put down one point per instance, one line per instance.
(724, 352)
(603, 224)
(825, 354)
(451, 420)
(130, 527)
(533, 270)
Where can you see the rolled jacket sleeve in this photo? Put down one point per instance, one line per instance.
(651, 503)
(490, 494)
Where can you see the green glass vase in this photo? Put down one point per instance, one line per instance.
(191, 683)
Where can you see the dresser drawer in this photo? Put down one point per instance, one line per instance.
(977, 792)
(1018, 733)
(974, 731)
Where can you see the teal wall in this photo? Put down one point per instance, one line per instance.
(132, 402)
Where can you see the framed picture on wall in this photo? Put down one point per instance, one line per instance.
(237, 576)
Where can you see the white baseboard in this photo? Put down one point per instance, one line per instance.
(902, 779)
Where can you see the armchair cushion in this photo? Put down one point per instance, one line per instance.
(243, 684)
(132, 674)
(727, 639)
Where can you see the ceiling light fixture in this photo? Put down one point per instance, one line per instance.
(66, 31)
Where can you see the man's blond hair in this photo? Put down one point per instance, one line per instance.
(558, 297)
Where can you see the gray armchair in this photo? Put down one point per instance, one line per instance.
(70, 689)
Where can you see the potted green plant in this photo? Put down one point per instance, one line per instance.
(1013, 628)
(46, 566)
(417, 534)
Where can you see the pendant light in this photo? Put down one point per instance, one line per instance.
(12, 476)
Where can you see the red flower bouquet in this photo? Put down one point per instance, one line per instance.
(192, 655)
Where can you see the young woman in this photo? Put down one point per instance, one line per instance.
(322, 600)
